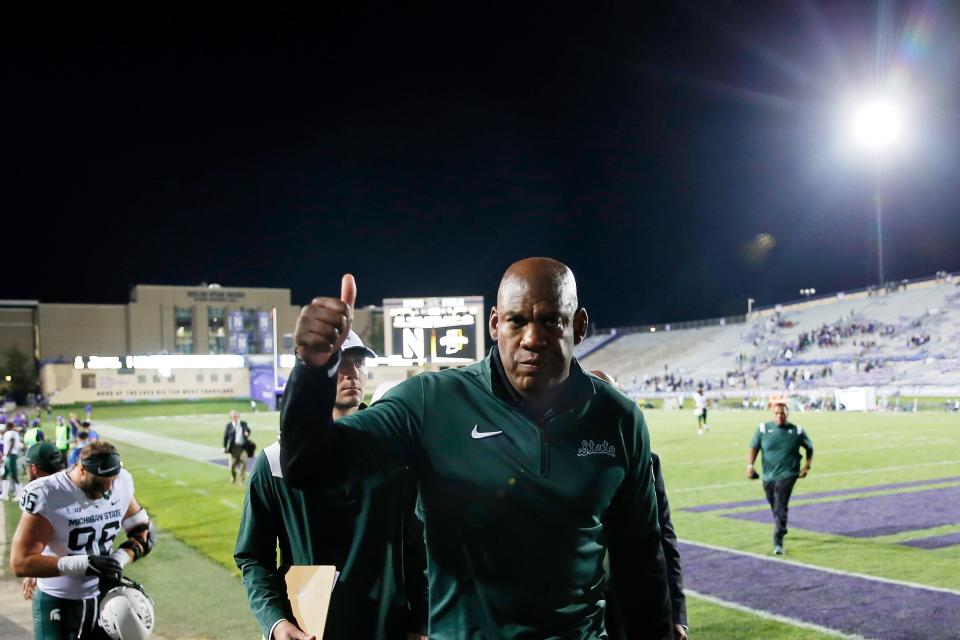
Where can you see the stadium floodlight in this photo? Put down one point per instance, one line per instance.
(877, 127)
(877, 124)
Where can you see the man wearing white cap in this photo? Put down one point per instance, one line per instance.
(369, 533)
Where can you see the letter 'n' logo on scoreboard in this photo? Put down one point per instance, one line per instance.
(413, 345)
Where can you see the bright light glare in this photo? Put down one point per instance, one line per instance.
(878, 124)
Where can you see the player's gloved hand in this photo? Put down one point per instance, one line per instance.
(107, 569)
(103, 567)
(322, 325)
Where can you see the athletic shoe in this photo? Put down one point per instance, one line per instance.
(778, 550)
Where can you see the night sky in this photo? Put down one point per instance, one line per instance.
(649, 146)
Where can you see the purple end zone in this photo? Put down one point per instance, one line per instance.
(823, 494)
(934, 542)
(851, 604)
(872, 516)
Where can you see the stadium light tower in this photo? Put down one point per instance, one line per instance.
(877, 124)
(877, 129)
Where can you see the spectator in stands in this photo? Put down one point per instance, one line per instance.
(780, 441)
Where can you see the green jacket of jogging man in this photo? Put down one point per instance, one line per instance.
(367, 530)
(519, 510)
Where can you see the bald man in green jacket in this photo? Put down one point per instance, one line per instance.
(529, 470)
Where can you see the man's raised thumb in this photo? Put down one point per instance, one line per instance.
(348, 290)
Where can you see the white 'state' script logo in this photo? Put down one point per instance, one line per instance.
(590, 448)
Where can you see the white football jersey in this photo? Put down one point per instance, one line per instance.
(81, 526)
(12, 444)
(700, 401)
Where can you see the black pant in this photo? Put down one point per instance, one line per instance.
(778, 495)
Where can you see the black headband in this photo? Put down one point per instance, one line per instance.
(105, 465)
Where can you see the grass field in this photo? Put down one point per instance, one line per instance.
(852, 450)
(198, 509)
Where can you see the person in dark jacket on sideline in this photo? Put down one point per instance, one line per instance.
(668, 540)
(236, 444)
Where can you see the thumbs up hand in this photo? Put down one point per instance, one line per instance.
(322, 325)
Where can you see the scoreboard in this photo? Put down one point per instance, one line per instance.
(436, 330)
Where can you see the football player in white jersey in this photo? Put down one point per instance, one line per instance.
(65, 539)
(12, 447)
(700, 410)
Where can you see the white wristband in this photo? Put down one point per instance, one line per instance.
(749, 466)
(121, 556)
(73, 565)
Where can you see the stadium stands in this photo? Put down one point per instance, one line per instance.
(905, 335)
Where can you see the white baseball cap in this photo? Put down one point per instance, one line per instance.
(353, 341)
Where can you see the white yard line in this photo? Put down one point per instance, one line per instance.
(835, 474)
(232, 505)
(160, 444)
(772, 616)
(839, 572)
(820, 455)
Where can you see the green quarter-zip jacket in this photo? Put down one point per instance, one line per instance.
(780, 449)
(366, 529)
(518, 511)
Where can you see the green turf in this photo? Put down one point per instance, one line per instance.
(852, 450)
(197, 505)
(710, 621)
(203, 429)
(195, 597)
(194, 500)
